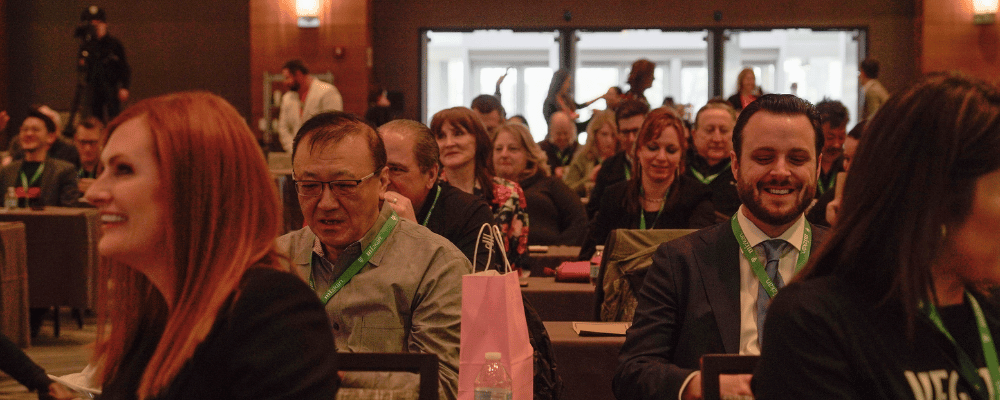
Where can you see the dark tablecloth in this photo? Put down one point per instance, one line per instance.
(586, 364)
(62, 254)
(560, 301)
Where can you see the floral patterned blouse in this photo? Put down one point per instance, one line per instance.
(510, 212)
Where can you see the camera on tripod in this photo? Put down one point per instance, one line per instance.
(85, 32)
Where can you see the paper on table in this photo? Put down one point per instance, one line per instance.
(601, 328)
(80, 382)
(537, 248)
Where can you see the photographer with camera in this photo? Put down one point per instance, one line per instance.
(102, 59)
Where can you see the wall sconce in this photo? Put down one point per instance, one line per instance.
(308, 12)
(986, 11)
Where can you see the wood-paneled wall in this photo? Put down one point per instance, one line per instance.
(397, 26)
(950, 41)
(171, 46)
(276, 38)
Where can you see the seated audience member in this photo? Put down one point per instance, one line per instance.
(88, 144)
(19, 366)
(467, 164)
(824, 212)
(708, 160)
(558, 217)
(561, 143)
(519, 119)
(489, 110)
(746, 90)
(602, 143)
(628, 118)
(901, 301)
(60, 148)
(193, 300)
(658, 196)
(707, 292)
(834, 115)
(416, 194)
(306, 96)
(403, 290)
(37, 178)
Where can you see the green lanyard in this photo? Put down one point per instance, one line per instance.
(825, 187)
(83, 173)
(708, 179)
(360, 262)
(428, 217)
(758, 267)
(628, 172)
(25, 183)
(563, 158)
(642, 212)
(966, 368)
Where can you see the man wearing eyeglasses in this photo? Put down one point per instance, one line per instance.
(388, 284)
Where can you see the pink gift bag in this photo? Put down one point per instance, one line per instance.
(493, 320)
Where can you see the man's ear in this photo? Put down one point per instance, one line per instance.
(734, 163)
(52, 137)
(432, 175)
(383, 181)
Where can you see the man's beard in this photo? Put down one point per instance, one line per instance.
(294, 87)
(750, 194)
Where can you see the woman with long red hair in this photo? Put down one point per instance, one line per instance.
(193, 302)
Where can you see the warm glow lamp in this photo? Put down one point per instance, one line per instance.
(986, 11)
(308, 12)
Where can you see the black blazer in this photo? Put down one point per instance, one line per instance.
(689, 206)
(58, 182)
(689, 305)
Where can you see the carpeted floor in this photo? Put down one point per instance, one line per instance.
(66, 354)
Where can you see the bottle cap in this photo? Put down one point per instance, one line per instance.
(492, 356)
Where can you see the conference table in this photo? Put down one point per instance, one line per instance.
(550, 257)
(61, 246)
(560, 301)
(586, 364)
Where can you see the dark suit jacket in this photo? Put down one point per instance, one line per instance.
(58, 182)
(689, 305)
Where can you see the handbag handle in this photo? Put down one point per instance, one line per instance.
(493, 238)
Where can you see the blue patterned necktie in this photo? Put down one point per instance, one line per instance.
(772, 252)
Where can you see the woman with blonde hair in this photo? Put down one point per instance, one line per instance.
(746, 90)
(602, 143)
(193, 302)
(558, 217)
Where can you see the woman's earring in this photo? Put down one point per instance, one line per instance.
(944, 231)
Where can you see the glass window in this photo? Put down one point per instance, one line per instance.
(463, 65)
(604, 59)
(810, 64)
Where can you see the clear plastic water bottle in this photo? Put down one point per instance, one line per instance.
(10, 199)
(493, 382)
(595, 264)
